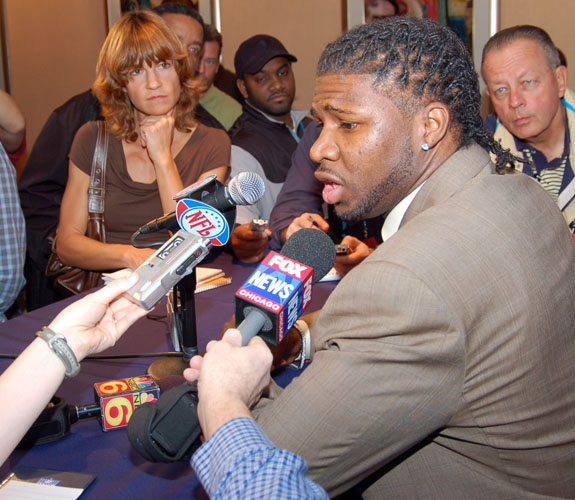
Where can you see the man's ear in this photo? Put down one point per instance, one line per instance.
(242, 87)
(436, 120)
(561, 77)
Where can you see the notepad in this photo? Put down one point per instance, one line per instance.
(30, 483)
(207, 274)
(213, 283)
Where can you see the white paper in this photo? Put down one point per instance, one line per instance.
(23, 490)
(332, 275)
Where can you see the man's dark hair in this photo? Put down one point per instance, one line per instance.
(178, 8)
(538, 35)
(211, 34)
(415, 62)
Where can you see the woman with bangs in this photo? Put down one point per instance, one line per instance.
(156, 147)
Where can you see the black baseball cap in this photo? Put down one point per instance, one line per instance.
(253, 54)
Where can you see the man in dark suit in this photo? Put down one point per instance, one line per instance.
(443, 363)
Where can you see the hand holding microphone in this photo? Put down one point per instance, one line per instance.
(249, 241)
(358, 252)
(233, 379)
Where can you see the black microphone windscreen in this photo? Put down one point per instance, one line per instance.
(311, 247)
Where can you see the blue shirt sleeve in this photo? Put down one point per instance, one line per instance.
(239, 461)
(13, 236)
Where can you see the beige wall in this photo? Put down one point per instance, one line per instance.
(53, 45)
(554, 16)
(303, 26)
(52, 48)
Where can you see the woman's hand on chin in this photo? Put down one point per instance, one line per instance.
(155, 124)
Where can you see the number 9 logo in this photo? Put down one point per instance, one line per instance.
(118, 411)
(113, 386)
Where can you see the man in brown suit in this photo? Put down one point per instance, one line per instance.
(443, 365)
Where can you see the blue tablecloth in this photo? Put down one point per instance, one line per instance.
(120, 471)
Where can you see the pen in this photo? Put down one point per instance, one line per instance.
(313, 222)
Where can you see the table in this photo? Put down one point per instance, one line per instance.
(121, 472)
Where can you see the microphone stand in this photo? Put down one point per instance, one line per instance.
(184, 324)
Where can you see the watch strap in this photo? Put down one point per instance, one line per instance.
(60, 347)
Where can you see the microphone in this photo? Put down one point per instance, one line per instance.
(246, 188)
(116, 401)
(280, 289)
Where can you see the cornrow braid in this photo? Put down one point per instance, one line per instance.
(419, 61)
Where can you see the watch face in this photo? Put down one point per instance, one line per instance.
(196, 186)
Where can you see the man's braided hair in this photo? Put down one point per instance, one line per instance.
(418, 61)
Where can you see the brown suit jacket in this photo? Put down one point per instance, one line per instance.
(445, 362)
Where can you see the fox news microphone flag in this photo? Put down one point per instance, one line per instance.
(280, 289)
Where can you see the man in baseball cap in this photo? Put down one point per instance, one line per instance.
(256, 51)
(265, 135)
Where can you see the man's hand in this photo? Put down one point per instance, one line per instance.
(284, 354)
(231, 379)
(99, 319)
(304, 220)
(358, 252)
(249, 245)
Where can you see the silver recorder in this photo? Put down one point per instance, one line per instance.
(174, 259)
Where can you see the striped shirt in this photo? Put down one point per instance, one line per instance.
(13, 231)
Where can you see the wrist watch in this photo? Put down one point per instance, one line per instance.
(59, 346)
(305, 353)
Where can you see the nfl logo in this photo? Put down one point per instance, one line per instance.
(202, 220)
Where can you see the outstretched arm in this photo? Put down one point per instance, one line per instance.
(89, 325)
(301, 192)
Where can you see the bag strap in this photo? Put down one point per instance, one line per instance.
(97, 189)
